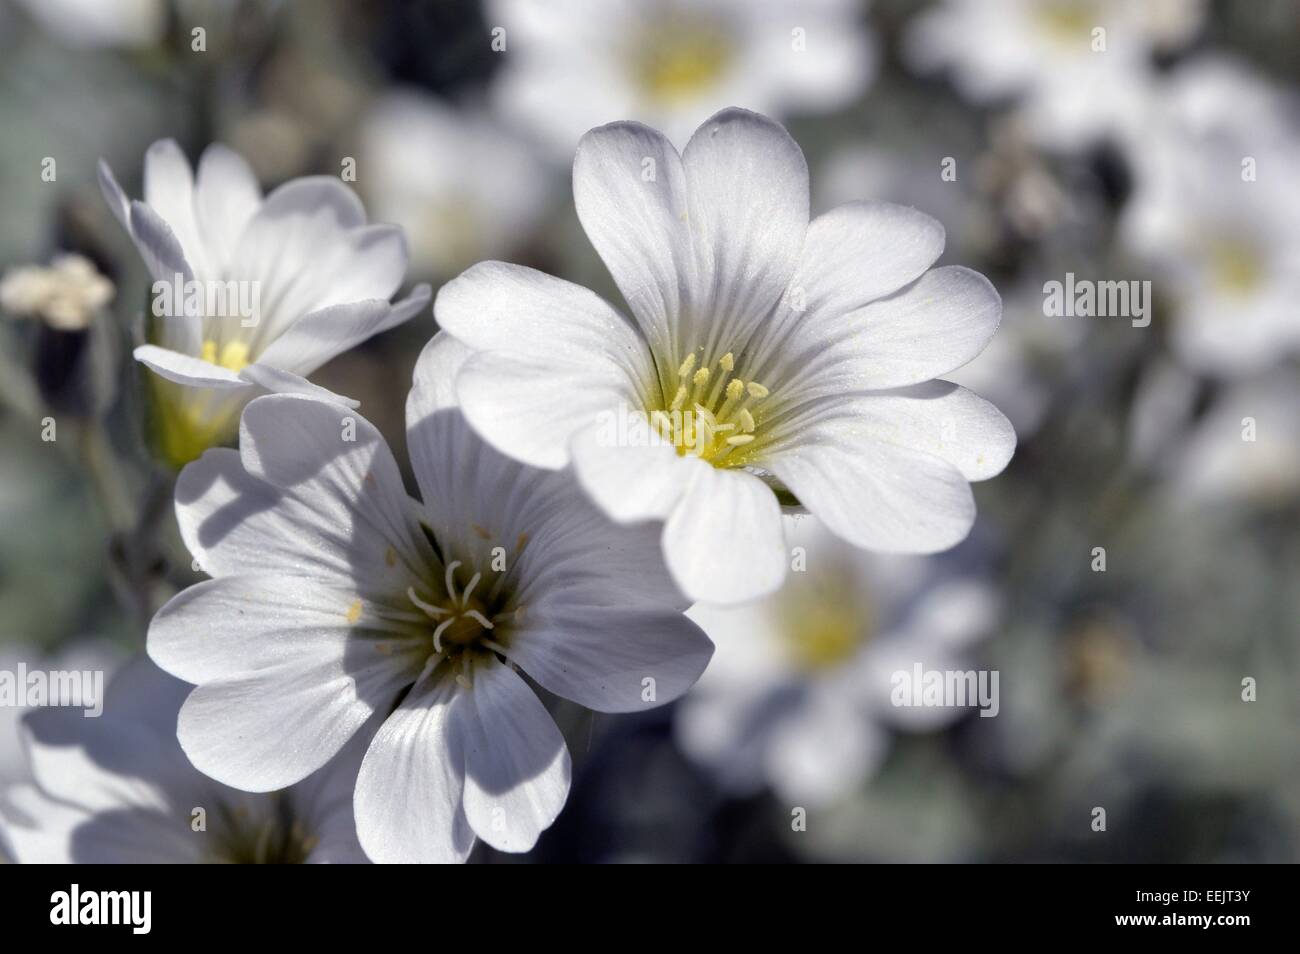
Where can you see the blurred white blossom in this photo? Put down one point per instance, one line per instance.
(459, 185)
(798, 696)
(1215, 211)
(1072, 84)
(575, 64)
(119, 790)
(66, 295)
(101, 23)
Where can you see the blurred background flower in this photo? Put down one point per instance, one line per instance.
(1134, 566)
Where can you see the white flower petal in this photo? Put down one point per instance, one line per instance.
(494, 306)
(531, 407)
(724, 542)
(183, 369)
(632, 483)
(637, 221)
(822, 751)
(862, 251)
(160, 247)
(265, 730)
(113, 194)
(747, 184)
(878, 496)
(316, 338)
(234, 523)
(409, 792)
(336, 462)
(286, 382)
(516, 764)
(308, 247)
(936, 417)
(226, 196)
(433, 380)
(270, 623)
(602, 658)
(169, 191)
(933, 326)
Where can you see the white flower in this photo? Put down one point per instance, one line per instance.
(90, 24)
(66, 295)
(778, 362)
(1243, 448)
(1215, 211)
(460, 187)
(298, 278)
(1074, 84)
(798, 695)
(119, 790)
(332, 602)
(83, 655)
(574, 64)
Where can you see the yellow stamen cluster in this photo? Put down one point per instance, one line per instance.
(711, 415)
(233, 355)
(825, 619)
(679, 58)
(1234, 267)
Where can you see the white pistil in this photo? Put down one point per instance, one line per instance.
(437, 633)
(450, 579)
(432, 611)
(464, 597)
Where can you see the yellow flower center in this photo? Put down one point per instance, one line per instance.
(679, 57)
(1234, 267)
(713, 413)
(1066, 22)
(825, 621)
(233, 355)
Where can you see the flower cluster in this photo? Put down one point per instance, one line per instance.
(358, 654)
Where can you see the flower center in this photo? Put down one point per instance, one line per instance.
(714, 415)
(467, 621)
(232, 355)
(1067, 22)
(824, 622)
(679, 57)
(1234, 267)
(265, 833)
